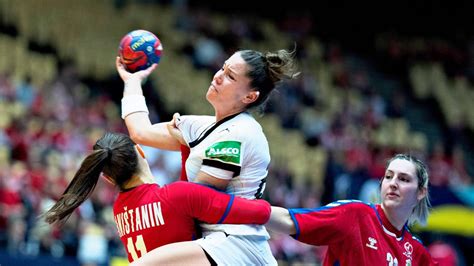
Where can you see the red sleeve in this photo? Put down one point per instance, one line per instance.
(328, 224)
(214, 207)
(185, 150)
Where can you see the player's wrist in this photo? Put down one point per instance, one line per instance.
(132, 85)
(132, 104)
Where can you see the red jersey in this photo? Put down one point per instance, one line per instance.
(358, 234)
(150, 216)
(185, 150)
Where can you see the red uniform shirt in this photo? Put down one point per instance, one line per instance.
(149, 216)
(185, 150)
(358, 234)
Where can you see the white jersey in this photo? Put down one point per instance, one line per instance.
(235, 149)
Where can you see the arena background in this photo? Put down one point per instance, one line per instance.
(376, 79)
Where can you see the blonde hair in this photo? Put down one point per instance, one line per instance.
(422, 209)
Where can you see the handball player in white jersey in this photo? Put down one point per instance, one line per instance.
(228, 151)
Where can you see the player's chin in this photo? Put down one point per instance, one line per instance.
(210, 94)
(391, 202)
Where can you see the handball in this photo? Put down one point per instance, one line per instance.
(139, 49)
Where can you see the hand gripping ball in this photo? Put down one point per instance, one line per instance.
(139, 49)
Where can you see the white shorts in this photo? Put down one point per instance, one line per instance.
(237, 249)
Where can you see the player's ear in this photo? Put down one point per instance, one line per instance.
(140, 151)
(422, 193)
(251, 97)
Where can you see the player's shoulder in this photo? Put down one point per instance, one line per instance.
(184, 188)
(355, 208)
(196, 119)
(418, 246)
(414, 239)
(353, 204)
(178, 186)
(244, 126)
(247, 119)
(177, 191)
(343, 206)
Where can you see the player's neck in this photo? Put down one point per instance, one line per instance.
(137, 180)
(223, 114)
(143, 174)
(397, 218)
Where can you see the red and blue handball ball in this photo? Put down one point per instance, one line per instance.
(140, 49)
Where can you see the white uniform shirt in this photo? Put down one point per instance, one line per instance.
(235, 149)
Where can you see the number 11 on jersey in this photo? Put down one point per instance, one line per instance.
(138, 245)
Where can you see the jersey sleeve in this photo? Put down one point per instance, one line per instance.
(328, 224)
(191, 126)
(214, 207)
(223, 158)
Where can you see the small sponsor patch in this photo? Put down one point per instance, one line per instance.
(226, 151)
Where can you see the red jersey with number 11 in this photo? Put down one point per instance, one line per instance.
(149, 216)
(358, 234)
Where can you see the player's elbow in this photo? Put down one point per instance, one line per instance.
(138, 136)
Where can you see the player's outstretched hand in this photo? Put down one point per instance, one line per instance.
(125, 75)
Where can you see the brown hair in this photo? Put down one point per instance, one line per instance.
(267, 70)
(114, 155)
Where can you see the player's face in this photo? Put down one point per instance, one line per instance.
(230, 85)
(400, 186)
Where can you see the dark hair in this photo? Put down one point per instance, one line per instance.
(267, 70)
(114, 155)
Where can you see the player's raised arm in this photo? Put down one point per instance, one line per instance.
(135, 112)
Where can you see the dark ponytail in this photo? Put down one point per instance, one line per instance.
(114, 155)
(80, 188)
(267, 70)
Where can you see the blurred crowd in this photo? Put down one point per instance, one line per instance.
(45, 131)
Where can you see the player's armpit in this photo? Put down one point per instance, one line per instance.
(209, 180)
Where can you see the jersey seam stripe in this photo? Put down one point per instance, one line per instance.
(217, 164)
(229, 205)
(195, 142)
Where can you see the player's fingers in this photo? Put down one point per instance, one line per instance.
(176, 118)
(150, 69)
(121, 69)
(173, 130)
(118, 63)
(146, 72)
